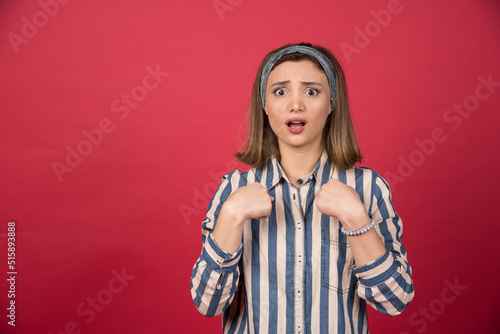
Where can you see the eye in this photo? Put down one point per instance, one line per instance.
(279, 91)
(312, 92)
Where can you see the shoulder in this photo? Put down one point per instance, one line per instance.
(368, 172)
(238, 178)
(379, 186)
(359, 173)
(237, 174)
(367, 176)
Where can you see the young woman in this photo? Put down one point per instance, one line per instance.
(304, 239)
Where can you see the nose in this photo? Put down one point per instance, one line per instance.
(296, 102)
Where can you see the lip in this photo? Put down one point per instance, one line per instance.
(296, 119)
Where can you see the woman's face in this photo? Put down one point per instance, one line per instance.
(298, 104)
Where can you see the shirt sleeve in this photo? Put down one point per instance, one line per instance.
(386, 283)
(216, 273)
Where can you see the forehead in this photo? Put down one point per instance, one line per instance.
(302, 69)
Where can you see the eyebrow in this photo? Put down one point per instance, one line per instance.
(305, 83)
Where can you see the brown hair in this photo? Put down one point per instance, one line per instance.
(339, 138)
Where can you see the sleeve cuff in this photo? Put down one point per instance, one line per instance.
(216, 257)
(378, 271)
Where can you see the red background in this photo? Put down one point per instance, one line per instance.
(120, 207)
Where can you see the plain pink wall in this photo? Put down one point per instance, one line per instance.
(161, 88)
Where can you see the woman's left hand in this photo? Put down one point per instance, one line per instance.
(339, 200)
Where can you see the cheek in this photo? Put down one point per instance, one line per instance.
(275, 106)
(274, 117)
(322, 106)
(320, 118)
(275, 126)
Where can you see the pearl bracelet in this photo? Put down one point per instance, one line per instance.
(363, 229)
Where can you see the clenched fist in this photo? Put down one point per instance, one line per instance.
(249, 202)
(337, 199)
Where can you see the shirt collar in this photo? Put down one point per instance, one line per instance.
(273, 173)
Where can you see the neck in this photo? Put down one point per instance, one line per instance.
(298, 164)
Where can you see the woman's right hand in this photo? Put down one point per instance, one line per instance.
(249, 202)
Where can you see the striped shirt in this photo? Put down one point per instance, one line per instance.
(295, 272)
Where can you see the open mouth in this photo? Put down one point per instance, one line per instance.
(296, 124)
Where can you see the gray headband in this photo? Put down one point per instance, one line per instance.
(321, 58)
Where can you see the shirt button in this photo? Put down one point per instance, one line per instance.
(299, 226)
(305, 195)
(299, 329)
(300, 258)
(299, 294)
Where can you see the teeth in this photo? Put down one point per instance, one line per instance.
(296, 122)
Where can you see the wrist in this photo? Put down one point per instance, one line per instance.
(232, 213)
(228, 230)
(353, 223)
(360, 230)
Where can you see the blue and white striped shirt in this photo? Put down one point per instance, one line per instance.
(295, 272)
